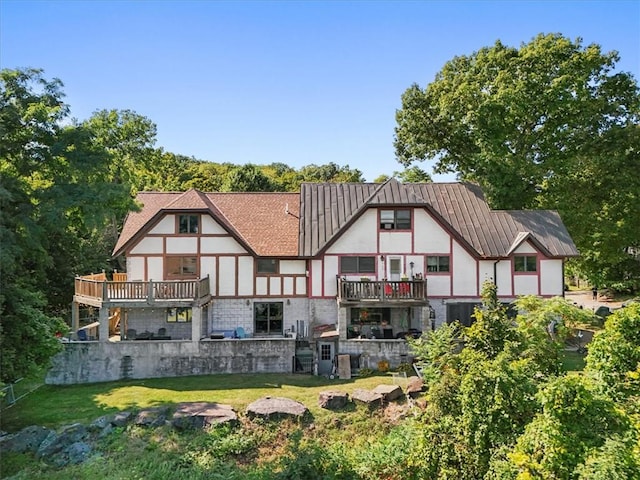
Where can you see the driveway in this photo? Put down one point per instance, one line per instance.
(585, 298)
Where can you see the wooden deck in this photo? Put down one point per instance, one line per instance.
(382, 291)
(98, 288)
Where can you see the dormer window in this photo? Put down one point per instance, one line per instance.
(525, 263)
(399, 219)
(188, 223)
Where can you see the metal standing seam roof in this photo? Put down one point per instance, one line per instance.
(460, 207)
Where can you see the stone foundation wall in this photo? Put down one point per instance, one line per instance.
(89, 362)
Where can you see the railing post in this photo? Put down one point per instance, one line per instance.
(150, 292)
(105, 292)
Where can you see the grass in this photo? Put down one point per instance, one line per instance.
(572, 361)
(53, 406)
(255, 450)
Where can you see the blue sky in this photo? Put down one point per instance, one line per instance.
(297, 82)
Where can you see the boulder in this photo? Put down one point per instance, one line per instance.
(276, 407)
(120, 419)
(333, 400)
(26, 440)
(202, 415)
(73, 454)
(389, 392)
(414, 387)
(367, 397)
(56, 443)
(152, 417)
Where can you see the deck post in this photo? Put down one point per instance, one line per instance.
(103, 328)
(196, 323)
(75, 316)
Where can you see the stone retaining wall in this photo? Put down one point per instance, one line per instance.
(89, 362)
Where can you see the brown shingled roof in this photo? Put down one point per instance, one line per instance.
(258, 220)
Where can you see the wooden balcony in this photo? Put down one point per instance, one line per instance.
(410, 291)
(96, 288)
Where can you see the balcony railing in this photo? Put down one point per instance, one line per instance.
(114, 291)
(384, 290)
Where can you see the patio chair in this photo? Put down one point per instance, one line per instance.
(82, 335)
(240, 332)
(162, 332)
(131, 334)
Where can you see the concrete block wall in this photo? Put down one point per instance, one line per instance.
(89, 362)
(228, 314)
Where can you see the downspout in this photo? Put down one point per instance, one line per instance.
(495, 274)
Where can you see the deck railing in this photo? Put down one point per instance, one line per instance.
(122, 291)
(382, 290)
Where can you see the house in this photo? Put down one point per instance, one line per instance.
(301, 277)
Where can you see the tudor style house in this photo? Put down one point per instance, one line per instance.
(350, 268)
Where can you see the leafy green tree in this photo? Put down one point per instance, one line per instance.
(330, 172)
(538, 127)
(413, 174)
(574, 423)
(56, 193)
(614, 354)
(247, 178)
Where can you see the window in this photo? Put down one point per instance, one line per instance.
(395, 219)
(180, 315)
(267, 265)
(182, 267)
(188, 223)
(268, 318)
(357, 264)
(525, 263)
(438, 264)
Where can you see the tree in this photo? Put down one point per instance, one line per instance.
(574, 426)
(247, 178)
(330, 173)
(56, 195)
(614, 354)
(537, 127)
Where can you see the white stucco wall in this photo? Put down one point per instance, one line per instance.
(208, 267)
(135, 268)
(227, 284)
(465, 272)
(438, 285)
(149, 245)
(210, 226)
(292, 266)
(166, 226)
(316, 278)
(360, 237)
(551, 278)
(526, 247)
(155, 269)
(330, 275)
(525, 284)
(430, 237)
(183, 245)
(220, 245)
(395, 242)
(245, 276)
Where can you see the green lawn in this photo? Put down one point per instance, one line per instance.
(572, 361)
(52, 406)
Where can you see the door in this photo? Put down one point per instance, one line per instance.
(326, 352)
(395, 269)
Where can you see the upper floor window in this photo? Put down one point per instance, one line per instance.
(267, 265)
(438, 263)
(357, 264)
(181, 267)
(395, 219)
(525, 263)
(188, 223)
